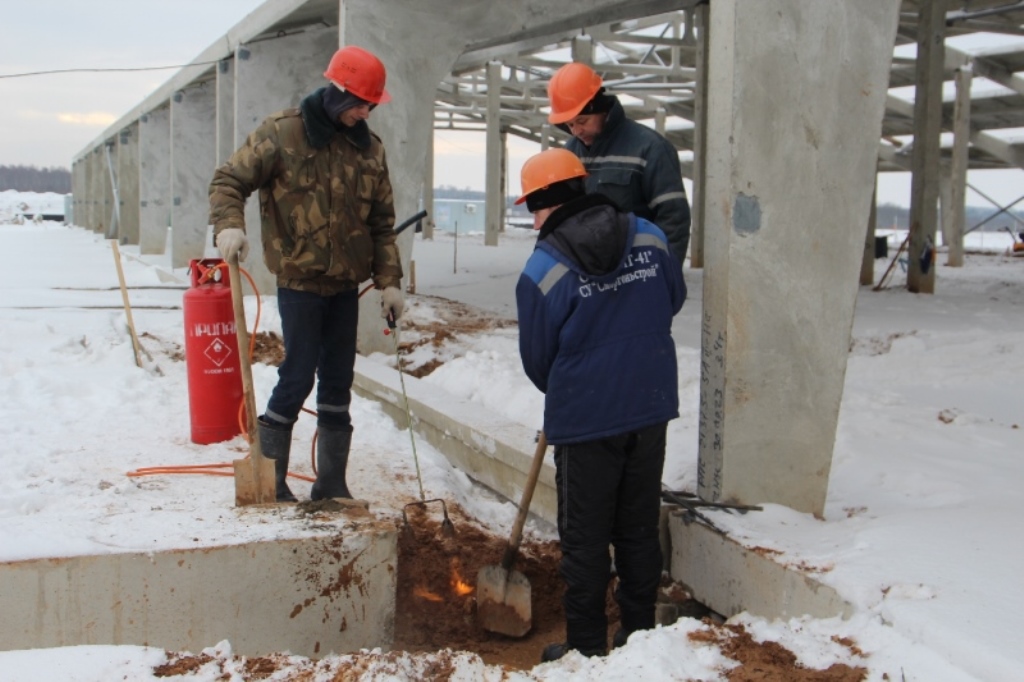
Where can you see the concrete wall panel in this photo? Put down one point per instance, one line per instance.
(310, 596)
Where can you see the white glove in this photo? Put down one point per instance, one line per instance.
(232, 241)
(391, 302)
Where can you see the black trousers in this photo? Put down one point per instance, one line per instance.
(319, 344)
(609, 493)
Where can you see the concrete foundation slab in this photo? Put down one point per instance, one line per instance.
(730, 578)
(310, 596)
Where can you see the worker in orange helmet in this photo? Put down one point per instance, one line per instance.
(595, 303)
(326, 213)
(631, 164)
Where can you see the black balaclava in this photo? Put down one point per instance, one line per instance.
(599, 104)
(556, 194)
(337, 101)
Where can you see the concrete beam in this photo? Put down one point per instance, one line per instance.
(730, 578)
(310, 596)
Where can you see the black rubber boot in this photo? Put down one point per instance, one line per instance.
(553, 652)
(619, 638)
(276, 444)
(331, 461)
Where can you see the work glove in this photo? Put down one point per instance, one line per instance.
(391, 304)
(232, 241)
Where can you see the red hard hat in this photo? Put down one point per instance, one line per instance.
(358, 71)
(548, 167)
(570, 89)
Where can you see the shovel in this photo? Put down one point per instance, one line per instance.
(503, 600)
(254, 475)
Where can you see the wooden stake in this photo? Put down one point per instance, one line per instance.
(127, 307)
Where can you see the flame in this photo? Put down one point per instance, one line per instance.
(424, 593)
(459, 586)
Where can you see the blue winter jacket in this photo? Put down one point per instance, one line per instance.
(638, 169)
(596, 301)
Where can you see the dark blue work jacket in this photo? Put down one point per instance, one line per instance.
(596, 301)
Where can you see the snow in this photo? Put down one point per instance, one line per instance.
(921, 529)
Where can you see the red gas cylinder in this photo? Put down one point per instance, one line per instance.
(211, 354)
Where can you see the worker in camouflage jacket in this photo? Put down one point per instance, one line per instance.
(327, 218)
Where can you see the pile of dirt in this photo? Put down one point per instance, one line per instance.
(770, 661)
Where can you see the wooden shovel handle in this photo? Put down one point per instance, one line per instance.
(524, 504)
(242, 333)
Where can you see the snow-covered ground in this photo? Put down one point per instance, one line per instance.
(921, 531)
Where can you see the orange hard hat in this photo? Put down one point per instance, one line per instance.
(570, 89)
(545, 169)
(358, 71)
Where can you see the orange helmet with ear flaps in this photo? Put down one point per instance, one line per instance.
(570, 89)
(545, 169)
(358, 71)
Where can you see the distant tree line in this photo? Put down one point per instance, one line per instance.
(32, 179)
(892, 216)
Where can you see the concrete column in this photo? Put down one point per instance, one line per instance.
(958, 167)
(659, 120)
(193, 159)
(271, 75)
(945, 203)
(225, 95)
(128, 183)
(867, 263)
(77, 192)
(428, 187)
(700, 109)
(95, 190)
(545, 137)
(154, 180)
(780, 282)
(492, 181)
(503, 200)
(924, 184)
(113, 197)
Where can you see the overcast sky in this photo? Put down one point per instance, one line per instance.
(45, 120)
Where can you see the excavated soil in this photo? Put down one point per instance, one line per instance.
(435, 605)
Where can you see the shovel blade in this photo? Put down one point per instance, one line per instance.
(252, 485)
(503, 601)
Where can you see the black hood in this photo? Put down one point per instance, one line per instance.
(591, 231)
(320, 128)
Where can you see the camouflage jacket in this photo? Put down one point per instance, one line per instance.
(326, 207)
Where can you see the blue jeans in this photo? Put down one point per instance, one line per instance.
(319, 342)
